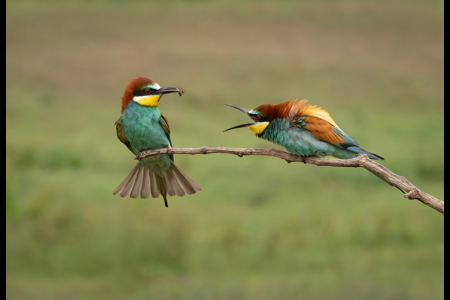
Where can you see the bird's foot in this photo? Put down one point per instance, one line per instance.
(138, 155)
(169, 150)
(304, 159)
(320, 153)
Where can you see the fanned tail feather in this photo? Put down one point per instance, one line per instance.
(143, 181)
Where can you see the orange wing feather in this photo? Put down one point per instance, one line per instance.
(167, 122)
(322, 130)
(317, 120)
(164, 122)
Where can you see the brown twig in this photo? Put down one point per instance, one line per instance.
(361, 160)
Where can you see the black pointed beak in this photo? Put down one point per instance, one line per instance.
(171, 89)
(239, 108)
(242, 125)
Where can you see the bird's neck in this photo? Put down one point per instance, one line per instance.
(136, 110)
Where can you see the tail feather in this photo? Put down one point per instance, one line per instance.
(128, 183)
(137, 187)
(177, 189)
(162, 189)
(154, 185)
(187, 184)
(369, 154)
(168, 180)
(124, 182)
(145, 191)
(143, 181)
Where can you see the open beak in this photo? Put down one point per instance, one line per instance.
(242, 125)
(171, 89)
(239, 108)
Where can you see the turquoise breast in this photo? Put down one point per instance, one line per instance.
(143, 131)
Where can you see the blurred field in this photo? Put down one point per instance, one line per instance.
(260, 228)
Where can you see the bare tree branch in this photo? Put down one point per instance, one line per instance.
(361, 160)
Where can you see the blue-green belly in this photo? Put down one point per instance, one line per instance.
(299, 141)
(143, 131)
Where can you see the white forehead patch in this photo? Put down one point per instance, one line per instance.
(155, 86)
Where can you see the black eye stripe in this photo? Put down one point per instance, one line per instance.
(260, 118)
(145, 92)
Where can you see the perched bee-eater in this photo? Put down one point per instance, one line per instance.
(142, 127)
(305, 130)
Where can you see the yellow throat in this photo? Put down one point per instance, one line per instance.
(259, 127)
(151, 100)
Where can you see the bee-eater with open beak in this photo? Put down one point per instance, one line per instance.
(142, 127)
(305, 130)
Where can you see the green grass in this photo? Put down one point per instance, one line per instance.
(260, 228)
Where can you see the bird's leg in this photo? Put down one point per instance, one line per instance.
(304, 159)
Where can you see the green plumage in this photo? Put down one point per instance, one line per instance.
(141, 128)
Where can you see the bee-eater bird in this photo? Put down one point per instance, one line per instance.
(305, 130)
(142, 127)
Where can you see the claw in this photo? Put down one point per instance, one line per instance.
(304, 159)
(400, 189)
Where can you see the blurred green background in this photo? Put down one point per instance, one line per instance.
(260, 228)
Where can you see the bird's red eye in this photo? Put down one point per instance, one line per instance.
(257, 116)
(147, 90)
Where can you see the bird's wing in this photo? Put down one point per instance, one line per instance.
(319, 123)
(121, 135)
(164, 122)
(325, 131)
